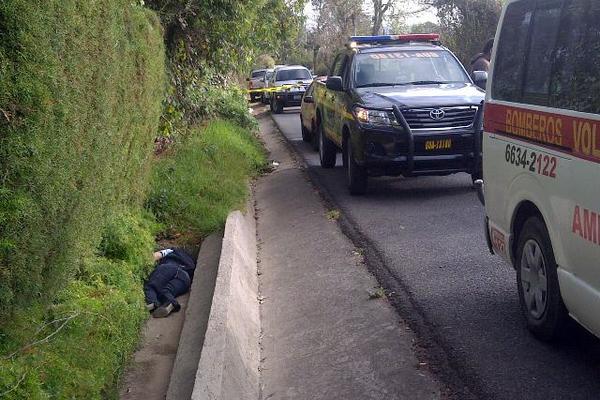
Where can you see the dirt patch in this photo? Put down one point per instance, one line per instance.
(148, 375)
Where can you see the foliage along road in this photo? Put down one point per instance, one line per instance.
(428, 234)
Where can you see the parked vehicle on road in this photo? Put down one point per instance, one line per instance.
(542, 159)
(256, 81)
(308, 116)
(264, 96)
(399, 105)
(269, 83)
(291, 81)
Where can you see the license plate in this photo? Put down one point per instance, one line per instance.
(439, 144)
(297, 97)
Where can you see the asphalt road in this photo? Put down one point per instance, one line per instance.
(428, 233)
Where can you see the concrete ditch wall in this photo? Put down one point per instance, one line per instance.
(228, 367)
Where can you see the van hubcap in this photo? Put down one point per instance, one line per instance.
(534, 279)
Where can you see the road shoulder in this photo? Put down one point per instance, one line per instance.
(323, 336)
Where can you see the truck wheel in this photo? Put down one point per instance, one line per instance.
(277, 107)
(537, 281)
(327, 149)
(356, 175)
(314, 138)
(477, 173)
(306, 136)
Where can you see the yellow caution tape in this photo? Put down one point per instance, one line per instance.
(274, 89)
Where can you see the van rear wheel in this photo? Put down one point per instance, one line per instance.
(537, 281)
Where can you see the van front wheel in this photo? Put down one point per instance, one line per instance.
(537, 281)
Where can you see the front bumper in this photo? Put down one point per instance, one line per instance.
(289, 98)
(388, 151)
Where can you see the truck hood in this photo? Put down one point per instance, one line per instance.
(304, 82)
(421, 96)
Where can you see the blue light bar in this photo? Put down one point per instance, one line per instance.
(416, 37)
(371, 39)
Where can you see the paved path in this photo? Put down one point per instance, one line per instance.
(323, 337)
(426, 237)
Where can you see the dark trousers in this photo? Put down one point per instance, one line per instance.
(166, 282)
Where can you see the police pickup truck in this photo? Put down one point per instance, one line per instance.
(398, 105)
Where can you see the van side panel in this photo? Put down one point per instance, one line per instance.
(548, 156)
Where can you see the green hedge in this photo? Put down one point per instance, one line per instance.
(81, 84)
(95, 321)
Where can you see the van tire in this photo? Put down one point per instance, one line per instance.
(547, 322)
(327, 149)
(356, 175)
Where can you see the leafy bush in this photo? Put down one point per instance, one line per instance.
(93, 323)
(197, 94)
(206, 177)
(80, 97)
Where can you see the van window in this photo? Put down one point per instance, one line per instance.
(512, 50)
(546, 23)
(576, 78)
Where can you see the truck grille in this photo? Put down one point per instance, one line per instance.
(453, 117)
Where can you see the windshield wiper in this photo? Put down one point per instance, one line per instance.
(377, 84)
(425, 83)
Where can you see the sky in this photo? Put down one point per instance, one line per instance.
(428, 15)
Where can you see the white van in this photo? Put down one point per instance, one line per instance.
(542, 159)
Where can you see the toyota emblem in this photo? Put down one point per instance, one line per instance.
(437, 114)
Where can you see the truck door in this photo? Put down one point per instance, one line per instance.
(341, 100)
(328, 103)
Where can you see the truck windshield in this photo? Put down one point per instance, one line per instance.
(293, 74)
(407, 67)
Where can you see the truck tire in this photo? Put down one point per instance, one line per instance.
(327, 149)
(356, 175)
(477, 173)
(306, 135)
(277, 107)
(537, 281)
(314, 142)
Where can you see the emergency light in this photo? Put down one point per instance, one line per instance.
(381, 39)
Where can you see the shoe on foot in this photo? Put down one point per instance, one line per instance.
(150, 307)
(163, 311)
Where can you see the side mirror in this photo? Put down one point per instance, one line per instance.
(480, 78)
(308, 99)
(334, 83)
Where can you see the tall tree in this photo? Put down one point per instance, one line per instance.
(467, 24)
(380, 8)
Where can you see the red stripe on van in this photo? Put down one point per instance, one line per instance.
(579, 137)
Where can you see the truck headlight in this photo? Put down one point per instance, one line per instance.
(375, 117)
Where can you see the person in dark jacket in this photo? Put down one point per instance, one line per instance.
(171, 277)
(481, 62)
